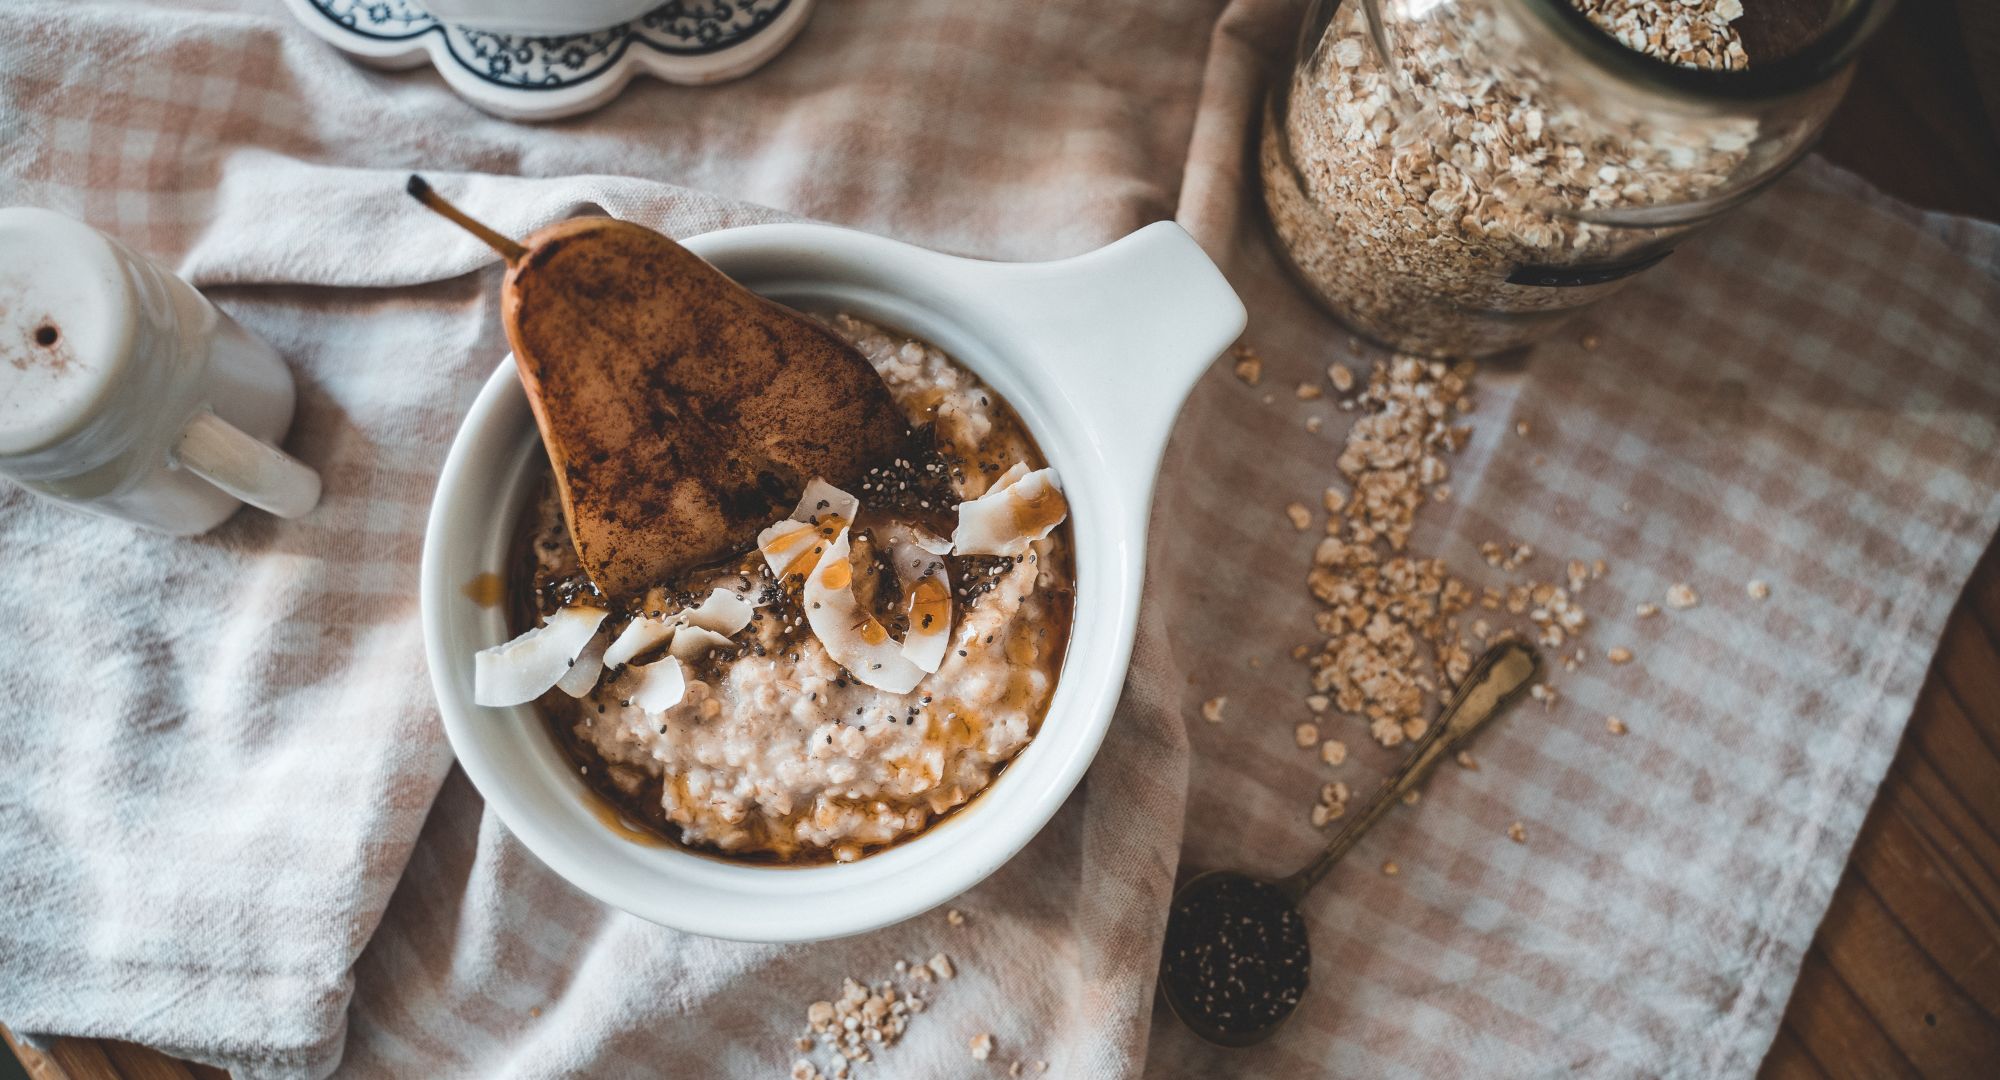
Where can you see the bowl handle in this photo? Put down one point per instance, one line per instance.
(1124, 332)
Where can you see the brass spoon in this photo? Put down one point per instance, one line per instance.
(1236, 957)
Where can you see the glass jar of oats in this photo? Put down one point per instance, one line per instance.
(1457, 177)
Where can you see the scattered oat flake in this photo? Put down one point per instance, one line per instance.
(981, 1046)
(1302, 518)
(1306, 735)
(1014, 1069)
(1758, 589)
(1308, 392)
(1390, 869)
(1619, 654)
(1467, 761)
(1313, 424)
(1517, 833)
(1249, 366)
(1411, 797)
(940, 966)
(863, 1020)
(1333, 751)
(1647, 611)
(1211, 710)
(1681, 596)
(1341, 376)
(1521, 428)
(1614, 725)
(1393, 644)
(1389, 643)
(955, 917)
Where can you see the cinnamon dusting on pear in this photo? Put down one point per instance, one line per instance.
(681, 412)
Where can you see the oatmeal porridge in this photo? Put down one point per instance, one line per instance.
(870, 666)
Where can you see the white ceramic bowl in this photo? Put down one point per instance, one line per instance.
(1096, 353)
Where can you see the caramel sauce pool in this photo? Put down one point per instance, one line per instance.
(487, 589)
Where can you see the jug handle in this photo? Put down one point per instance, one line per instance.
(246, 467)
(1124, 332)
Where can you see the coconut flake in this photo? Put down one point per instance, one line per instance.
(823, 499)
(639, 635)
(1014, 472)
(693, 642)
(794, 547)
(526, 667)
(723, 612)
(854, 639)
(658, 686)
(1020, 508)
(926, 598)
(929, 541)
(582, 675)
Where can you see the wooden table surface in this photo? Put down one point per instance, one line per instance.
(1903, 978)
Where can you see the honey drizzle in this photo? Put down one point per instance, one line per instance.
(1036, 514)
(828, 527)
(838, 575)
(929, 608)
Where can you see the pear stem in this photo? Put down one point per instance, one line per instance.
(508, 249)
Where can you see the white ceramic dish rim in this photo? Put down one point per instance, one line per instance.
(1095, 353)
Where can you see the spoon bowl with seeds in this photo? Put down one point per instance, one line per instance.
(1237, 959)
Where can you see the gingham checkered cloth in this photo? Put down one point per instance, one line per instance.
(228, 822)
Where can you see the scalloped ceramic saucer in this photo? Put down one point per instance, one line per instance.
(539, 77)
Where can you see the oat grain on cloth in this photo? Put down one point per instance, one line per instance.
(228, 822)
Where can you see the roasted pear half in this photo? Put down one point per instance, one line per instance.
(682, 412)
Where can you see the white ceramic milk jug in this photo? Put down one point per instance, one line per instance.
(123, 391)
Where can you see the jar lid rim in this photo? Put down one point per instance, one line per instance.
(1821, 59)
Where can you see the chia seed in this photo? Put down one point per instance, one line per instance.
(1236, 954)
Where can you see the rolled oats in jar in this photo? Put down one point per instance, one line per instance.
(1457, 177)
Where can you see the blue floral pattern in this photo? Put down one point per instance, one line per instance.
(391, 20)
(526, 62)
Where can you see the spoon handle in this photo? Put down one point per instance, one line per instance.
(1496, 680)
